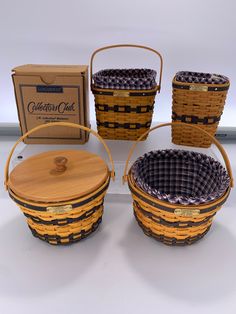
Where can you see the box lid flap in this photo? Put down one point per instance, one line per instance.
(34, 69)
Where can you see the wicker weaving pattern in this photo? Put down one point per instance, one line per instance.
(172, 240)
(64, 228)
(168, 220)
(179, 176)
(123, 123)
(200, 104)
(124, 98)
(177, 193)
(163, 224)
(65, 240)
(64, 233)
(63, 221)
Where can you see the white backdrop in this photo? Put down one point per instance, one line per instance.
(191, 35)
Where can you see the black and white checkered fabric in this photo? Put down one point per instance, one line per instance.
(180, 177)
(200, 77)
(135, 79)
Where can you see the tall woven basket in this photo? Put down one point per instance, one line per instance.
(161, 187)
(197, 103)
(124, 114)
(61, 193)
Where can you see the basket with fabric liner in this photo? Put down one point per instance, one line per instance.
(176, 193)
(124, 109)
(60, 192)
(197, 98)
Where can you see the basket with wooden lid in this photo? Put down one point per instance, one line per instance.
(124, 98)
(60, 192)
(176, 193)
(198, 98)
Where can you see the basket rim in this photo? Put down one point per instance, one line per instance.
(125, 70)
(177, 197)
(206, 207)
(93, 88)
(174, 81)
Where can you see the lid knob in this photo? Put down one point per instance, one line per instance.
(60, 163)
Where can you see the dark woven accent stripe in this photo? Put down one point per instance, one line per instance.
(124, 109)
(168, 240)
(57, 240)
(44, 208)
(176, 224)
(65, 221)
(129, 126)
(210, 88)
(131, 94)
(195, 119)
(171, 210)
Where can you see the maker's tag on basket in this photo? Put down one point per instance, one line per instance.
(120, 93)
(59, 209)
(198, 88)
(187, 212)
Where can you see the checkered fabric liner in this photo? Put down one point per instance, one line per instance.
(180, 177)
(199, 77)
(134, 79)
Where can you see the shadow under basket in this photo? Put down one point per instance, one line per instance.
(61, 193)
(177, 193)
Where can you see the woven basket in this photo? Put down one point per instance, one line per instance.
(200, 104)
(124, 114)
(163, 217)
(62, 222)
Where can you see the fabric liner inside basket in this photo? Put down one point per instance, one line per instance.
(200, 77)
(134, 79)
(180, 177)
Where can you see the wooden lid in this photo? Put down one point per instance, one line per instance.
(58, 176)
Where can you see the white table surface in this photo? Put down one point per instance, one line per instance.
(118, 269)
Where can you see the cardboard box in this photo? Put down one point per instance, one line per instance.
(52, 93)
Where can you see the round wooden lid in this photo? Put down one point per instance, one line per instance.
(58, 176)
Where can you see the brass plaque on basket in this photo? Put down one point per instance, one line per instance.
(59, 209)
(187, 212)
(198, 88)
(120, 93)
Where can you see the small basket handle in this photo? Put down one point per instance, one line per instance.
(179, 124)
(51, 124)
(125, 46)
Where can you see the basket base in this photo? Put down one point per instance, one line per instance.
(187, 136)
(190, 143)
(121, 134)
(171, 241)
(72, 238)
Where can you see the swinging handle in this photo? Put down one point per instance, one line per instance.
(125, 46)
(180, 124)
(51, 124)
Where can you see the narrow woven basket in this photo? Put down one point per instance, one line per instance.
(124, 114)
(174, 224)
(63, 222)
(200, 104)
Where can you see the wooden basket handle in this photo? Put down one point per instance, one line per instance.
(51, 124)
(125, 46)
(179, 124)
